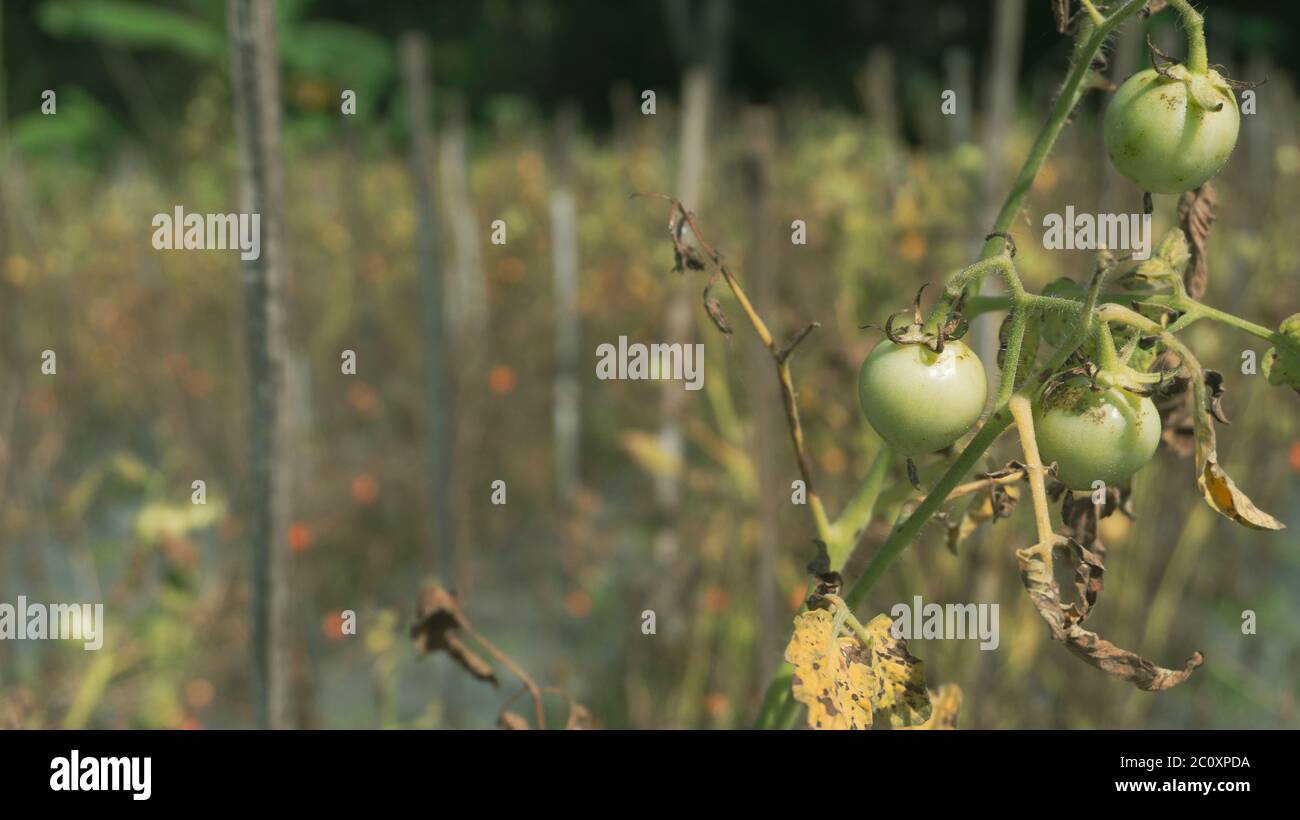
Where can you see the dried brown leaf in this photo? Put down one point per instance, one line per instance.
(579, 717)
(945, 706)
(1065, 621)
(436, 630)
(1195, 216)
(509, 720)
(1219, 490)
(1223, 495)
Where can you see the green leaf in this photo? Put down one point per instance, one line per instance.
(133, 25)
(1281, 365)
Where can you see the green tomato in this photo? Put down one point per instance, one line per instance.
(1092, 435)
(1162, 133)
(920, 401)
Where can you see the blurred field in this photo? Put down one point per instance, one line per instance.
(98, 461)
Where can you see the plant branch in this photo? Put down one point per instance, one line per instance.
(679, 216)
(1023, 413)
(1071, 92)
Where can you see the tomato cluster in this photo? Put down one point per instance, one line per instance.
(1169, 129)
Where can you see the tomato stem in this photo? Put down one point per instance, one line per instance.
(1091, 38)
(1197, 60)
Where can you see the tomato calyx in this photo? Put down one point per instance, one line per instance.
(1207, 89)
(918, 331)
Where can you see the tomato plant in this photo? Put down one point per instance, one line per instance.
(1081, 368)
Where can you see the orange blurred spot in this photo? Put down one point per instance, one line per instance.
(717, 704)
(373, 265)
(1047, 178)
(181, 551)
(577, 604)
(834, 461)
(175, 364)
(1294, 456)
(42, 401)
(362, 397)
(716, 599)
(332, 625)
(199, 693)
(911, 248)
(230, 528)
(511, 269)
(529, 165)
(301, 537)
(199, 383)
(365, 489)
(797, 595)
(17, 270)
(311, 95)
(189, 725)
(502, 380)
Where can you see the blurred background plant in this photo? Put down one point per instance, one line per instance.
(828, 114)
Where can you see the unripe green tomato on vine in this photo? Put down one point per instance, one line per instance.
(1164, 135)
(1106, 435)
(920, 401)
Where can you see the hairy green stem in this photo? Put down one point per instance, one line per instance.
(1072, 90)
(907, 530)
(1197, 60)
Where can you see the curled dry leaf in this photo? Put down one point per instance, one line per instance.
(509, 720)
(579, 717)
(945, 706)
(848, 685)
(1195, 215)
(1219, 490)
(1081, 515)
(993, 503)
(1065, 621)
(438, 629)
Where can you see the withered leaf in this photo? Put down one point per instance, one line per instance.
(579, 717)
(1219, 490)
(437, 629)
(1195, 215)
(820, 564)
(945, 706)
(1064, 621)
(848, 685)
(509, 720)
(831, 676)
(1223, 495)
(900, 695)
(1214, 384)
